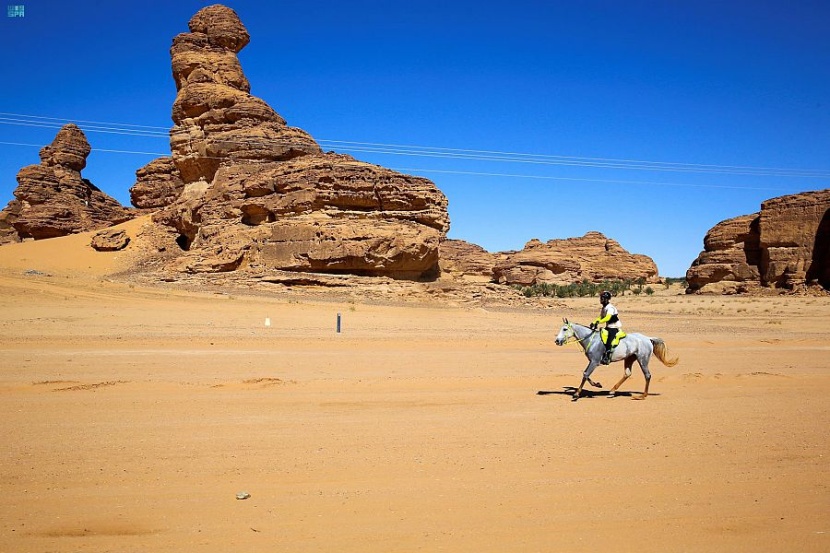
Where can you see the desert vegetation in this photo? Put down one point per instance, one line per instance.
(587, 288)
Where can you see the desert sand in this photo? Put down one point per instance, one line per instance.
(133, 415)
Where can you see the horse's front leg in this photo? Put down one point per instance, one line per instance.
(586, 377)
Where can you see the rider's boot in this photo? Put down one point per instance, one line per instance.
(606, 357)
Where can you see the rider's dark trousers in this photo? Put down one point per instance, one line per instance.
(612, 333)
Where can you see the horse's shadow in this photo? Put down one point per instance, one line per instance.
(588, 394)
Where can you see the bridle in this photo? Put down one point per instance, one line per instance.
(572, 338)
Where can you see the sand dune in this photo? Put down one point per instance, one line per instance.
(70, 255)
(133, 416)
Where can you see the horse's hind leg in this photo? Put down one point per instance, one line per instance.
(647, 374)
(629, 362)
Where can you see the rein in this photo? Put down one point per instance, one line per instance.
(573, 337)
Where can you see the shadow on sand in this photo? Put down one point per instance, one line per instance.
(588, 394)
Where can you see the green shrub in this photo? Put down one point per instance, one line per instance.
(586, 288)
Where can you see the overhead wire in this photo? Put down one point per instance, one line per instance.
(417, 170)
(584, 179)
(64, 120)
(440, 152)
(574, 159)
(455, 154)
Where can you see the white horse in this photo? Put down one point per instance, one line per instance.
(633, 347)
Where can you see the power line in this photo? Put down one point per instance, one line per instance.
(64, 121)
(573, 159)
(440, 152)
(417, 170)
(456, 154)
(89, 128)
(665, 167)
(578, 179)
(499, 155)
(156, 154)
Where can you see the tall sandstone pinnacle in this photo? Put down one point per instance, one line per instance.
(52, 199)
(243, 190)
(786, 245)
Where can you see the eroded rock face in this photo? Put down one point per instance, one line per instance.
(465, 259)
(158, 184)
(52, 199)
(794, 240)
(110, 240)
(216, 118)
(786, 245)
(593, 257)
(731, 257)
(323, 213)
(259, 195)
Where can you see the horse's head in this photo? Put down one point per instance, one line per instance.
(565, 333)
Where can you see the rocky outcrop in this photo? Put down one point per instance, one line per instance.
(216, 118)
(158, 184)
(52, 199)
(731, 257)
(110, 240)
(795, 231)
(314, 214)
(261, 196)
(786, 245)
(466, 260)
(592, 257)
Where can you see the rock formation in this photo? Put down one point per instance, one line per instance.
(592, 257)
(259, 195)
(52, 199)
(795, 231)
(110, 240)
(731, 257)
(786, 245)
(463, 259)
(158, 184)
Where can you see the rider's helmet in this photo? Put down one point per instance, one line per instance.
(605, 295)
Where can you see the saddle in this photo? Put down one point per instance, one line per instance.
(603, 334)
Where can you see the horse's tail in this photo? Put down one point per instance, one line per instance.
(661, 350)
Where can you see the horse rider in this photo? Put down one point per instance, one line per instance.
(610, 316)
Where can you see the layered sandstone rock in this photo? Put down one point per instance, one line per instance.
(216, 118)
(259, 195)
(110, 240)
(592, 257)
(786, 245)
(52, 199)
(316, 213)
(158, 184)
(731, 257)
(794, 240)
(464, 259)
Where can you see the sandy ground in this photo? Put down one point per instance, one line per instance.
(132, 417)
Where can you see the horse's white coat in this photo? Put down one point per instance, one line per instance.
(633, 347)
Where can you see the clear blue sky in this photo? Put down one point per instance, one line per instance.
(704, 83)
